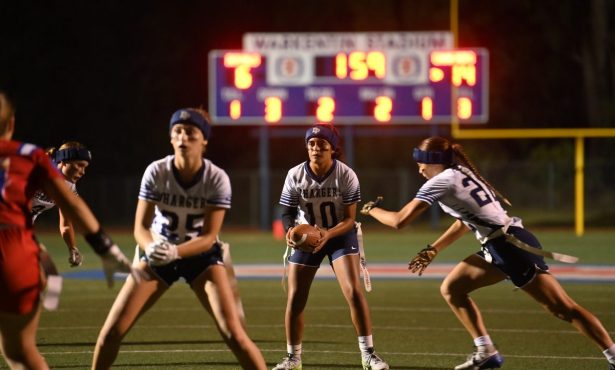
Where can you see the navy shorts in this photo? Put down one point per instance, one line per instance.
(335, 248)
(189, 268)
(520, 266)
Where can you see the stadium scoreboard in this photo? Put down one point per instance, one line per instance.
(348, 78)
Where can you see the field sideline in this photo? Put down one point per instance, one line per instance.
(413, 327)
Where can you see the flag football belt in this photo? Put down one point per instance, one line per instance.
(533, 250)
(362, 261)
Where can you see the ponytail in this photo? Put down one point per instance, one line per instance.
(462, 158)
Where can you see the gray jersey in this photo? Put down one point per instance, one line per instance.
(180, 210)
(41, 202)
(462, 195)
(321, 201)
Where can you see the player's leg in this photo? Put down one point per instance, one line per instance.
(230, 271)
(347, 272)
(132, 301)
(547, 291)
(213, 289)
(469, 275)
(20, 287)
(18, 340)
(348, 276)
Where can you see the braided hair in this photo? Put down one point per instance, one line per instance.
(459, 157)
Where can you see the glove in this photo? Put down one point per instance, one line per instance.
(76, 258)
(371, 204)
(422, 259)
(161, 253)
(115, 261)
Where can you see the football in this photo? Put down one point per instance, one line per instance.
(305, 237)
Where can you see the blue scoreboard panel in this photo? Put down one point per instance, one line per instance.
(347, 86)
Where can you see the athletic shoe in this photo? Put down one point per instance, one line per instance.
(289, 362)
(611, 366)
(374, 362)
(482, 359)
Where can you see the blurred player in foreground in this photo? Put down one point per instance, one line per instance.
(72, 158)
(508, 251)
(182, 203)
(24, 168)
(326, 191)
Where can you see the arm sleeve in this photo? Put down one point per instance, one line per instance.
(289, 215)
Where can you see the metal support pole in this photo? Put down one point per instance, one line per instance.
(264, 175)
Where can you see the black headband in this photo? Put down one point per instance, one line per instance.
(440, 157)
(72, 154)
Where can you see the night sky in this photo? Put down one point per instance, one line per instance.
(110, 73)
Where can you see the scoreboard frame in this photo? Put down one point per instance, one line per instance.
(357, 83)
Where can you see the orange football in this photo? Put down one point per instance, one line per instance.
(305, 237)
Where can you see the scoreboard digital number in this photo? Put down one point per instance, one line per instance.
(351, 83)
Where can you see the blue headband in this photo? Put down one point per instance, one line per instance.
(191, 117)
(72, 154)
(421, 156)
(323, 132)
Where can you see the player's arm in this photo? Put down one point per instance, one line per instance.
(68, 234)
(451, 235)
(401, 218)
(143, 221)
(350, 215)
(67, 231)
(71, 206)
(212, 224)
(78, 212)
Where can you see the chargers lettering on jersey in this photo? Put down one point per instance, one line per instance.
(175, 200)
(319, 193)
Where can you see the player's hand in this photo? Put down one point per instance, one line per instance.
(422, 259)
(324, 238)
(289, 240)
(76, 258)
(162, 253)
(371, 204)
(115, 261)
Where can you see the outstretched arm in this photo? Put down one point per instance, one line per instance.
(77, 211)
(71, 206)
(68, 234)
(454, 232)
(426, 255)
(401, 218)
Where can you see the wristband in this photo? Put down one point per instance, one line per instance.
(99, 241)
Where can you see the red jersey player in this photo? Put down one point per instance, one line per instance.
(25, 168)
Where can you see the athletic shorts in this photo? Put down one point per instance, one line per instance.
(335, 248)
(20, 274)
(189, 268)
(520, 266)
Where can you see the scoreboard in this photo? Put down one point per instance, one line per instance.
(348, 78)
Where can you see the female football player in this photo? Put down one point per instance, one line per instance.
(507, 249)
(324, 192)
(182, 202)
(72, 158)
(23, 169)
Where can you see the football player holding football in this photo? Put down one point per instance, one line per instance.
(324, 192)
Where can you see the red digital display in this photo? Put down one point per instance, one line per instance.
(349, 87)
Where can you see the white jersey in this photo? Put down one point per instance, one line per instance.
(41, 202)
(321, 201)
(462, 195)
(180, 209)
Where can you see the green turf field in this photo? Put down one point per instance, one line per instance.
(413, 327)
